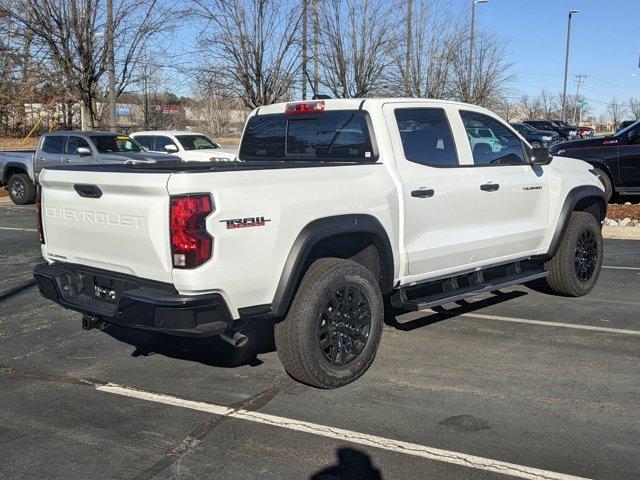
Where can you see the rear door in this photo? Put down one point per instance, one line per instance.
(50, 152)
(629, 161)
(71, 156)
(438, 192)
(124, 229)
(512, 199)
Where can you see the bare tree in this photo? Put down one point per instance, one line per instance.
(531, 108)
(253, 46)
(508, 109)
(72, 36)
(356, 46)
(634, 107)
(616, 111)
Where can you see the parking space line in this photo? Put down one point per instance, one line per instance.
(19, 229)
(621, 268)
(397, 446)
(574, 326)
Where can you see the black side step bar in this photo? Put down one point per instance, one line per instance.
(438, 292)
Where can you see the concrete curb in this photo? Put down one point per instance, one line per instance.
(624, 233)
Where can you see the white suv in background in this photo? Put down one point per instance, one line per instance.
(189, 146)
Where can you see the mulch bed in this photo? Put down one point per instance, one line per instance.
(619, 212)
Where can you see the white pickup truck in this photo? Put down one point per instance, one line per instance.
(189, 146)
(334, 205)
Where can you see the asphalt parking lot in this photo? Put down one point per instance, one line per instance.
(522, 383)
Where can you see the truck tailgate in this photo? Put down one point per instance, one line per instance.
(124, 229)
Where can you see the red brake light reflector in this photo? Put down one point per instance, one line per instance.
(191, 244)
(304, 107)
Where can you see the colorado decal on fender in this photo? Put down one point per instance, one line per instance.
(246, 222)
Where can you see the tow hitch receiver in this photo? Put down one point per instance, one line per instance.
(89, 322)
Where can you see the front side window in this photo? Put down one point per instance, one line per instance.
(74, 143)
(196, 142)
(115, 144)
(328, 136)
(426, 136)
(492, 142)
(162, 142)
(53, 144)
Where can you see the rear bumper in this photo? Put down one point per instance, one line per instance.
(130, 301)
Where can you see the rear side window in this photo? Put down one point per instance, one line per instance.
(426, 136)
(492, 142)
(53, 144)
(329, 136)
(145, 140)
(74, 143)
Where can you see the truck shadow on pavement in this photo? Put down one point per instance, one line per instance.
(211, 351)
(215, 352)
(352, 464)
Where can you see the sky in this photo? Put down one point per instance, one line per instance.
(605, 45)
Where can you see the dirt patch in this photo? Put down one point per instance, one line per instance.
(3, 192)
(619, 212)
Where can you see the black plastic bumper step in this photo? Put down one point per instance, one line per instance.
(438, 292)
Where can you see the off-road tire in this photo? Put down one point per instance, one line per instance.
(297, 337)
(564, 277)
(21, 190)
(606, 181)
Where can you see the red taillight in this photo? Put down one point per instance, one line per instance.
(304, 107)
(39, 214)
(191, 244)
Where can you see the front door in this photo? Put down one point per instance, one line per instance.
(439, 197)
(512, 200)
(50, 153)
(71, 155)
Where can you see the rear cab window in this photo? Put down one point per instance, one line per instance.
(338, 136)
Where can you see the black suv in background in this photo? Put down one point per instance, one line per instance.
(616, 159)
(536, 138)
(565, 132)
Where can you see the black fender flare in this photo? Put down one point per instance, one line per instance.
(574, 196)
(309, 236)
(8, 165)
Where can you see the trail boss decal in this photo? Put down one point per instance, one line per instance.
(245, 222)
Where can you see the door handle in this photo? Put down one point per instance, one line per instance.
(422, 193)
(490, 187)
(66, 160)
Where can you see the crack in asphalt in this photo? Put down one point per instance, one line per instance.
(17, 289)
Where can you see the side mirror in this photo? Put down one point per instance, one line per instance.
(171, 148)
(540, 156)
(632, 136)
(83, 151)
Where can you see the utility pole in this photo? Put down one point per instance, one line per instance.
(580, 79)
(316, 43)
(305, 21)
(408, 77)
(469, 89)
(566, 66)
(111, 67)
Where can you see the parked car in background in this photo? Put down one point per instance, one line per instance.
(333, 204)
(586, 132)
(189, 146)
(565, 133)
(21, 169)
(536, 138)
(483, 135)
(624, 124)
(616, 159)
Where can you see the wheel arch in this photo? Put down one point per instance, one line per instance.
(13, 168)
(585, 198)
(345, 236)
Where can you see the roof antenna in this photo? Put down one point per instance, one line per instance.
(315, 94)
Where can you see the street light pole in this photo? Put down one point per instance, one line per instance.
(473, 34)
(566, 66)
(109, 34)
